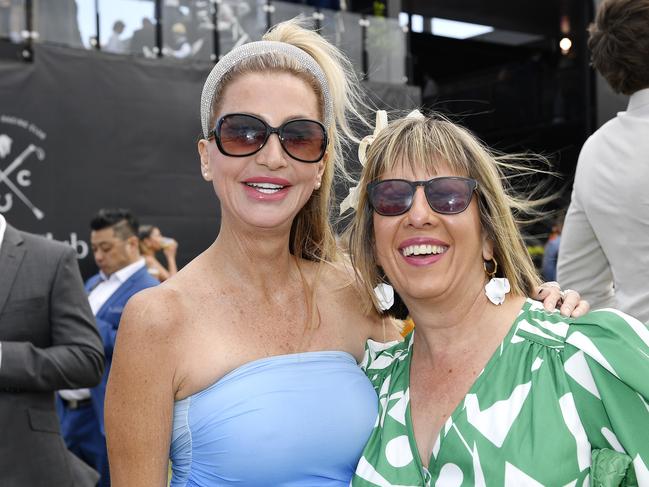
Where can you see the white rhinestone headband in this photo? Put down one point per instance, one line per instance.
(232, 58)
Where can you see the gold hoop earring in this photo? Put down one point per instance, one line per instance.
(491, 273)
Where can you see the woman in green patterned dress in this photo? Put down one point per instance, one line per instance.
(490, 388)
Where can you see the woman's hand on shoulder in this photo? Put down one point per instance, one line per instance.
(140, 391)
(568, 302)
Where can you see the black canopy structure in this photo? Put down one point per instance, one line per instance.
(119, 130)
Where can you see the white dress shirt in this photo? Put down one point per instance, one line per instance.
(109, 284)
(604, 252)
(3, 227)
(97, 297)
(115, 44)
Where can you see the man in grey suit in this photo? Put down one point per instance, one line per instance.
(48, 341)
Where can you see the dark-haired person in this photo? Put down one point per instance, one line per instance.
(151, 242)
(115, 43)
(122, 273)
(605, 241)
(143, 38)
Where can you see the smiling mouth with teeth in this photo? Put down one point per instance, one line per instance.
(423, 250)
(266, 188)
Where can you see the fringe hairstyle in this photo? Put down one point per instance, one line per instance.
(426, 143)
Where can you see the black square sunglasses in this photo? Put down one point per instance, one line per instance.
(447, 195)
(240, 135)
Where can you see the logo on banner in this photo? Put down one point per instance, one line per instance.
(16, 164)
(21, 152)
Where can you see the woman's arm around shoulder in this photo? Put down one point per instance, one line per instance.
(141, 387)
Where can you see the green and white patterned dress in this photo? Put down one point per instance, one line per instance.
(562, 402)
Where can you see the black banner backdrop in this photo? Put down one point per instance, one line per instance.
(81, 130)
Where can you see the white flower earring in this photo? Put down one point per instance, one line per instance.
(497, 287)
(385, 295)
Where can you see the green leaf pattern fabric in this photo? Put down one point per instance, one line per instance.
(559, 395)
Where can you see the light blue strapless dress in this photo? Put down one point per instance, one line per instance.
(288, 420)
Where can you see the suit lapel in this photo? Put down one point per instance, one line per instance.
(92, 283)
(11, 255)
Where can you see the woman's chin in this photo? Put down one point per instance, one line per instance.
(269, 223)
(421, 293)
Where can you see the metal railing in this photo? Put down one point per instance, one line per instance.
(200, 30)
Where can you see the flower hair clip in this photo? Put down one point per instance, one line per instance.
(416, 114)
(351, 201)
(381, 123)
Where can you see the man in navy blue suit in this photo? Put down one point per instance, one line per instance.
(122, 273)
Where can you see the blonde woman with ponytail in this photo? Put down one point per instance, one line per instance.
(243, 366)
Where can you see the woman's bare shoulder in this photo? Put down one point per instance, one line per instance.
(339, 276)
(169, 300)
(341, 284)
(167, 306)
(155, 311)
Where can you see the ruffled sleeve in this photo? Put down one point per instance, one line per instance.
(606, 360)
(379, 357)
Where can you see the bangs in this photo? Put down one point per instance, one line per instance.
(413, 144)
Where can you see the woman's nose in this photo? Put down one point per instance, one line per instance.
(420, 213)
(272, 154)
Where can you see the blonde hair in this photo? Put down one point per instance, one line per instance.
(428, 143)
(312, 236)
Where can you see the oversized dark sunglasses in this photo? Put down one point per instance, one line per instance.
(240, 135)
(446, 195)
